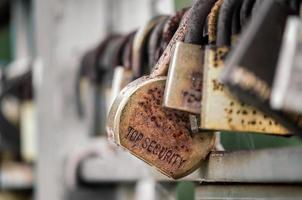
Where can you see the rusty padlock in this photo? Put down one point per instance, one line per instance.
(183, 86)
(160, 137)
(220, 110)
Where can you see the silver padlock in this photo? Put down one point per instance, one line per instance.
(184, 81)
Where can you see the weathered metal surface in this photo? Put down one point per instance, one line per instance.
(160, 137)
(256, 191)
(281, 165)
(183, 86)
(220, 110)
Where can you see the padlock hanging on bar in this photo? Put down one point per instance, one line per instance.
(183, 86)
(102, 90)
(161, 137)
(220, 110)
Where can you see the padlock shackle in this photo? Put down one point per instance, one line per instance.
(171, 26)
(100, 50)
(106, 62)
(155, 41)
(89, 67)
(127, 52)
(199, 12)
(161, 67)
(246, 11)
(212, 21)
(118, 53)
(139, 46)
(236, 24)
(224, 27)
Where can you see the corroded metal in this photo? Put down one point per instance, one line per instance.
(161, 137)
(183, 87)
(222, 111)
(162, 65)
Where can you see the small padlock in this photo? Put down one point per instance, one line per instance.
(155, 41)
(220, 110)
(159, 136)
(183, 86)
(287, 87)
(139, 52)
(85, 76)
(121, 75)
(102, 89)
(88, 82)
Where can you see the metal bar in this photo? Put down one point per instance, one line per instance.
(248, 192)
(117, 165)
(282, 165)
(261, 166)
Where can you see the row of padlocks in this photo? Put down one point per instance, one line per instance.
(220, 65)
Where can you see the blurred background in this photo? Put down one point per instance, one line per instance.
(48, 151)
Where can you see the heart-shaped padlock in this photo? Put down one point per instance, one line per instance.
(159, 136)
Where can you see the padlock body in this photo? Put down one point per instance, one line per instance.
(159, 136)
(220, 110)
(184, 82)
